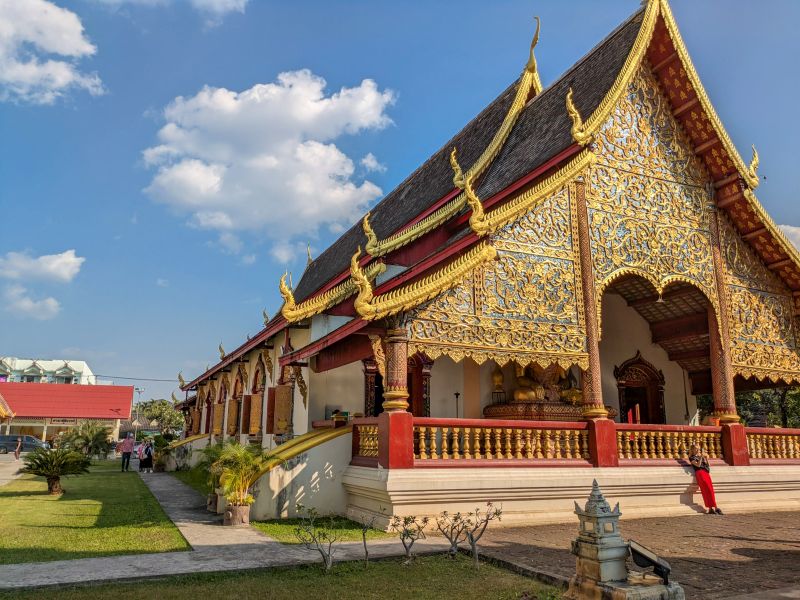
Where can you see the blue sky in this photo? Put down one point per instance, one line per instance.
(99, 157)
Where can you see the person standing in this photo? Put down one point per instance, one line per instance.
(147, 457)
(702, 473)
(127, 450)
(18, 448)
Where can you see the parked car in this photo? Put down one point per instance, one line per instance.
(9, 442)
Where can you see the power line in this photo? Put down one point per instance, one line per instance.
(136, 378)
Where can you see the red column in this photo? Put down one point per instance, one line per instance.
(734, 444)
(395, 423)
(603, 443)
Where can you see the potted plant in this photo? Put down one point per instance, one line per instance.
(55, 464)
(239, 467)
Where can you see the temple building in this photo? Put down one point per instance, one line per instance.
(554, 287)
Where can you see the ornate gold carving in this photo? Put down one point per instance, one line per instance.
(370, 307)
(268, 363)
(752, 168)
(525, 306)
(379, 354)
(301, 384)
(221, 351)
(181, 380)
(458, 175)
(647, 197)
(265, 316)
(763, 331)
(313, 306)
(528, 81)
(578, 130)
(477, 220)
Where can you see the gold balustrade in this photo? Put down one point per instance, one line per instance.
(454, 442)
(642, 444)
(763, 443)
(367, 440)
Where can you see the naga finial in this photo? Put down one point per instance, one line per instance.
(309, 260)
(579, 133)
(181, 380)
(265, 316)
(286, 293)
(362, 301)
(752, 169)
(532, 67)
(372, 239)
(458, 175)
(174, 399)
(221, 351)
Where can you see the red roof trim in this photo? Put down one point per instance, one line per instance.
(43, 400)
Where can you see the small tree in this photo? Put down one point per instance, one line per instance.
(55, 464)
(454, 528)
(211, 455)
(314, 535)
(90, 438)
(477, 523)
(410, 529)
(238, 467)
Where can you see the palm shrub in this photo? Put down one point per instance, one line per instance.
(55, 464)
(89, 438)
(211, 454)
(238, 467)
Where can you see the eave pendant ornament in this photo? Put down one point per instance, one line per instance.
(579, 132)
(477, 220)
(221, 351)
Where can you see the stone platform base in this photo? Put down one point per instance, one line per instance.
(638, 587)
(545, 495)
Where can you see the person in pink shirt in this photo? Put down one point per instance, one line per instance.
(127, 450)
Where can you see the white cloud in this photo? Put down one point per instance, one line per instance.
(213, 10)
(263, 161)
(61, 268)
(370, 163)
(19, 303)
(249, 259)
(40, 44)
(793, 233)
(160, 282)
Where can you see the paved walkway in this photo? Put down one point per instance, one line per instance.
(214, 548)
(9, 468)
(711, 556)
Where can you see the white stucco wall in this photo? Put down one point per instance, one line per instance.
(625, 332)
(446, 379)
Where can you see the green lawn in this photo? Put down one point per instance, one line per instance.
(349, 531)
(427, 578)
(103, 513)
(196, 478)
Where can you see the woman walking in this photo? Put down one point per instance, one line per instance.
(702, 473)
(18, 448)
(146, 462)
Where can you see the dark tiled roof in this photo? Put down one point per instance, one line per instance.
(541, 132)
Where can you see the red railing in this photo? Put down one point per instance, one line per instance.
(668, 443)
(365, 442)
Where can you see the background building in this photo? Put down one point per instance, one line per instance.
(36, 370)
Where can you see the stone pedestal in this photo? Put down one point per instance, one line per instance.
(601, 571)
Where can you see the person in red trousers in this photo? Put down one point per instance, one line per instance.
(702, 473)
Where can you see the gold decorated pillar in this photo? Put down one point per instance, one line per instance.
(593, 407)
(719, 334)
(396, 389)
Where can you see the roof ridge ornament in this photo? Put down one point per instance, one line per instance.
(458, 174)
(221, 351)
(372, 239)
(579, 133)
(532, 67)
(265, 316)
(752, 168)
(309, 260)
(181, 380)
(365, 293)
(477, 220)
(287, 295)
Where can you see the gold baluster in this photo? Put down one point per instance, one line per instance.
(507, 433)
(718, 444)
(434, 442)
(476, 443)
(423, 452)
(635, 443)
(467, 447)
(793, 446)
(457, 443)
(518, 443)
(585, 444)
(539, 440)
(572, 443)
(487, 442)
(548, 443)
(498, 442)
(557, 444)
(528, 444)
(445, 443)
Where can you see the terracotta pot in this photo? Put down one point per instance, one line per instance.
(211, 502)
(236, 516)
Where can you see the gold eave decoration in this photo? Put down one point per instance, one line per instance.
(529, 81)
(578, 131)
(672, 29)
(784, 243)
(293, 312)
(370, 307)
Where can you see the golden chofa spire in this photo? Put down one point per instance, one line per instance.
(365, 295)
(288, 297)
(221, 351)
(372, 239)
(752, 169)
(532, 67)
(309, 260)
(579, 133)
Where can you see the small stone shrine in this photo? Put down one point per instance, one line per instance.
(601, 571)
